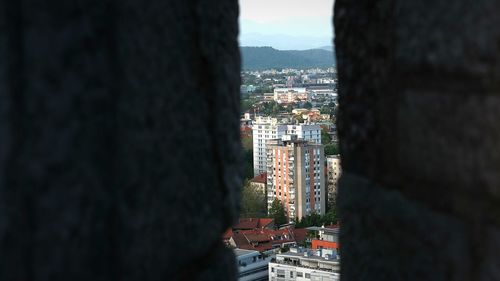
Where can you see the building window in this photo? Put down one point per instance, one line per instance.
(308, 276)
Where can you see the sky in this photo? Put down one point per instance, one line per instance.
(284, 24)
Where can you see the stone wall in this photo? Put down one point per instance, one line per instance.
(119, 140)
(420, 139)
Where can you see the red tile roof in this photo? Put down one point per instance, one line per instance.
(265, 222)
(253, 223)
(300, 234)
(262, 178)
(263, 239)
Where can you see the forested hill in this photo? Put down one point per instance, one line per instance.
(258, 58)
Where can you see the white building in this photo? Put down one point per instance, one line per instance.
(263, 129)
(252, 265)
(305, 265)
(267, 128)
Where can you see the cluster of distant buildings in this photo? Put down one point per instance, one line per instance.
(289, 165)
(313, 94)
(317, 95)
(265, 252)
(292, 86)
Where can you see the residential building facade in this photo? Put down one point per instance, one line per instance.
(267, 128)
(264, 128)
(295, 176)
(309, 132)
(334, 171)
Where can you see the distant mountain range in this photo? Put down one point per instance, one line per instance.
(258, 58)
(328, 48)
(284, 41)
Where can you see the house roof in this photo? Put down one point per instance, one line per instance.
(262, 178)
(262, 240)
(334, 230)
(252, 223)
(300, 234)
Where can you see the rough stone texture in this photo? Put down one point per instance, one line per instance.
(382, 228)
(119, 140)
(419, 132)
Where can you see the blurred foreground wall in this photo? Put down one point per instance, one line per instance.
(419, 128)
(119, 139)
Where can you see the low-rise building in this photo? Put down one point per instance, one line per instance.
(300, 110)
(290, 95)
(326, 238)
(259, 183)
(253, 224)
(264, 240)
(232, 234)
(305, 265)
(252, 265)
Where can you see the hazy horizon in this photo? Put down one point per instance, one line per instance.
(286, 24)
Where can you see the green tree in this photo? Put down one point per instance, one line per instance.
(246, 105)
(315, 219)
(253, 202)
(299, 118)
(331, 149)
(270, 108)
(331, 216)
(277, 212)
(330, 108)
(325, 137)
(275, 110)
(248, 163)
(325, 110)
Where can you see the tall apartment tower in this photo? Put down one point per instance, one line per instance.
(333, 174)
(295, 176)
(267, 128)
(263, 129)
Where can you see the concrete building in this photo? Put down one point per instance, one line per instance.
(252, 265)
(267, 128)
(259, 182)
(264, 128)
(309, 132)
(326, 237)
(305, 265)
(334, 171)
(295, 175)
